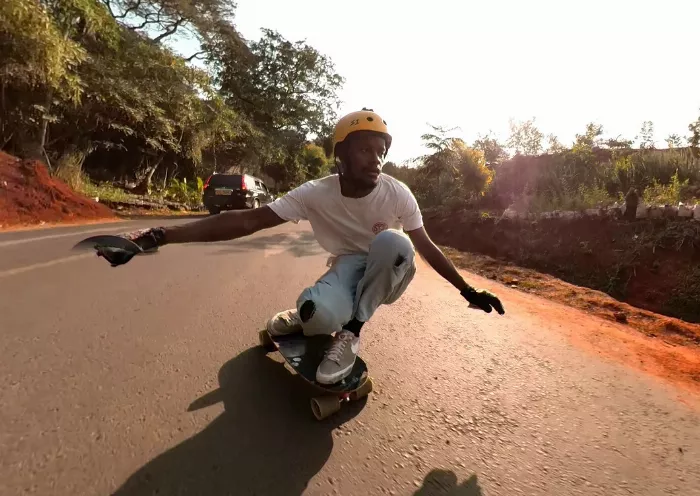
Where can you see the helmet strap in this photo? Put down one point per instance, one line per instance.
(340, 166)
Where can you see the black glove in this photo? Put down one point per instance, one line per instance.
(483, 299)
(148, 240)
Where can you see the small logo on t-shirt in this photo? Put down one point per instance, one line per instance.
(379, 227)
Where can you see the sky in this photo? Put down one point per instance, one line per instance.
(475, 65)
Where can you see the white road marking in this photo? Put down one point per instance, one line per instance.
(27, 268)
(55, 236)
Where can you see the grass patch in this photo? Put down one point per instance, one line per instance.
(103, 191)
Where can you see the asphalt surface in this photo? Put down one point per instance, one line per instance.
(147, 379)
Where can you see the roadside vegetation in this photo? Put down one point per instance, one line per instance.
(92, 89)
(534, 174)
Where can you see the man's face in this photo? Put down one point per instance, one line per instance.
(365, 156)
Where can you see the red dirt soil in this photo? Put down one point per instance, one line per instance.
(30, 196)
(652, 264)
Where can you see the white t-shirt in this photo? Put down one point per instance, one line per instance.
(343, 225)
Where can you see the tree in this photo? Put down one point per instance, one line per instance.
(162, 19)
(288, 90)
(109, 92)
(283, 86)
(453, 170)
(674, 141)
(93, 79)
(439, 139)
(493, 150)
(646, 136)
(554, 145)
(40, 51)
(147, 105)
(590, 138)
(619, 143)
(314, 161)
(525, 138)
(475, 176)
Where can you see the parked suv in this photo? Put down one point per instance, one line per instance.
(234, 191)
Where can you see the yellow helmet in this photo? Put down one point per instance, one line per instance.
(363, 120)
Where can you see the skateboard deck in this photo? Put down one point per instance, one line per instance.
(304, 354)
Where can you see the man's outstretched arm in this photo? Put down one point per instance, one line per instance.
(443, 266)
(224, 226)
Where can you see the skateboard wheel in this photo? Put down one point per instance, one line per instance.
(265, 341)
(325, 406)
(362, 391)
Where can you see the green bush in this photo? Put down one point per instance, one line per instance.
(452, 175)
(104, 191)
(179, 191)
(594, 196)
(577, 199)
(665, 194)
(585, 177)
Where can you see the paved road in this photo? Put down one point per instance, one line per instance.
(146, 380)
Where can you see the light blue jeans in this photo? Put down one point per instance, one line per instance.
(356, 285)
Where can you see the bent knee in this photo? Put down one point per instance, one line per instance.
(392, 246)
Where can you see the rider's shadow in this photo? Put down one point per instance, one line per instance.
(266, 441)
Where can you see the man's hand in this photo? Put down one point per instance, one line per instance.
(147, 239)
(483, 299)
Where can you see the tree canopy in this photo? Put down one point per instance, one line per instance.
(453, 171)
(94, 78)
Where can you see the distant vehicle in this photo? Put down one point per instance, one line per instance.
(235, 191)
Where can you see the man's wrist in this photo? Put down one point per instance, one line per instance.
(161, 236)
(467, 290)
(149, 239)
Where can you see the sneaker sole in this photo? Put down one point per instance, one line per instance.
(275, 333)
(334, 378)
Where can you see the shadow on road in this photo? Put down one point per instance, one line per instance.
(444, 483)
(266, 441)
(299, 245)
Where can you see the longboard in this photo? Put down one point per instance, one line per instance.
(304, 354)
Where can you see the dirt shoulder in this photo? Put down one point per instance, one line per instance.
(30, 197)
(661, 346)
(587, 325)
(668, 329)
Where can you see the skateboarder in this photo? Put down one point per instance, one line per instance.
(357, 215)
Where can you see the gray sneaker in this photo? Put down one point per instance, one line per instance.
(287, 322)
(339, 358)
